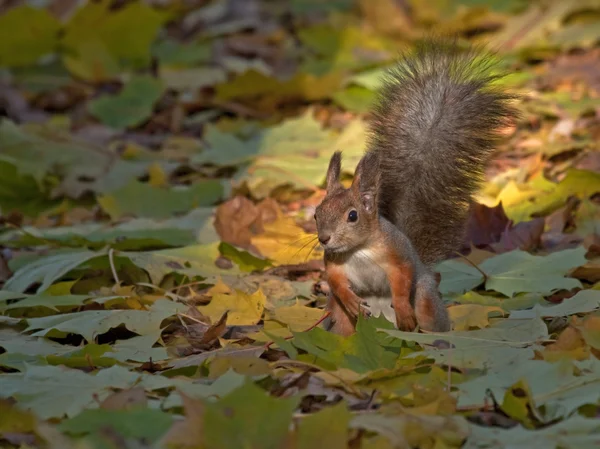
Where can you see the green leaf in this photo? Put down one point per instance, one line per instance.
(355, 99)
(91, 323)
(248, 417)
(553, 385)
(49, 301)
(519, 302)
(132, 235)
(246, 261)
(19, 343)
(100, 42)
(98, 355)
(132, 106)
(458, 277)
(518, 271)
(20, 192)
(326, 428)
(366, 350)
(580, 183)
(505, 343)
(220, 387)
(192, 261)
(42, 150)
(170, 52)
(52, 391)
(583, 302)
(144, 200)
(573, 433)
(144, 424)
(26, 34)
(47, 269)
(140, 349)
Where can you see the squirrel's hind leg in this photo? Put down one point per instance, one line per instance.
(431, 313)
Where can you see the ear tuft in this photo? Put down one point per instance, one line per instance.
(333, 172)
(366, 180)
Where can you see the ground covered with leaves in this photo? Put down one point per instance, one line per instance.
(160, 162)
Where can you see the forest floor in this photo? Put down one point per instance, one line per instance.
(160, 165)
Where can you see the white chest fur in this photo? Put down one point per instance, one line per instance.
(366, 273)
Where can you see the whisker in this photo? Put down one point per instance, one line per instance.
(304, 246)
(311, 251)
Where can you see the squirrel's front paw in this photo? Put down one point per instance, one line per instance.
(406, 319)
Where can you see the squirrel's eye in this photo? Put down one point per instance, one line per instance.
(315, 217)
(352, 216)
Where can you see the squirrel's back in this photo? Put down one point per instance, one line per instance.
(434, 128)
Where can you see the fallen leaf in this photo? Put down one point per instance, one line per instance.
(144, 200)
(519, 272)
(99, 42)
(286, 243)
(130, 107)
(468, 316)
(27, 34)
(242, 308)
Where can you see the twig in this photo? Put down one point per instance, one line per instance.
(298, 363)
(474, 265)
(323, 318)
(111, 261)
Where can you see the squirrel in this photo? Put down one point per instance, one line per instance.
(432, 134)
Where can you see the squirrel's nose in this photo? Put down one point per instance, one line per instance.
(324, 239)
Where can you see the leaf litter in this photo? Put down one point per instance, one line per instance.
(162, 286)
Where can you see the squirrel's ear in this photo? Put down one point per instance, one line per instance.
(366, 180)
(333, 172)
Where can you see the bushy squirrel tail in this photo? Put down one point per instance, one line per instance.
(434, 127)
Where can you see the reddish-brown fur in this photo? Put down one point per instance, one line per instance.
(400, 276)
(340, 288)
(425, 312)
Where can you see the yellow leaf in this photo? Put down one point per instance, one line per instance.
(99, 41)
(243, 309)
(303, 85)
(246, 365)
(274, 328)
(466, 316)
(511, 194)
(284, 242)
(298, 317)
(432, 401)
(518, 404)
(219, 287)
(158, 177)
(134, 304)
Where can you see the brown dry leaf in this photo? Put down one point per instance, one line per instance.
(590, 272)
(239, 219)
(189, 432)
(485, 225)
(236, 221)
(590, 330)
(126, 399)
(466, 316)
(215, 331)
(570, 344)
(525, 236)
(244, 309)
